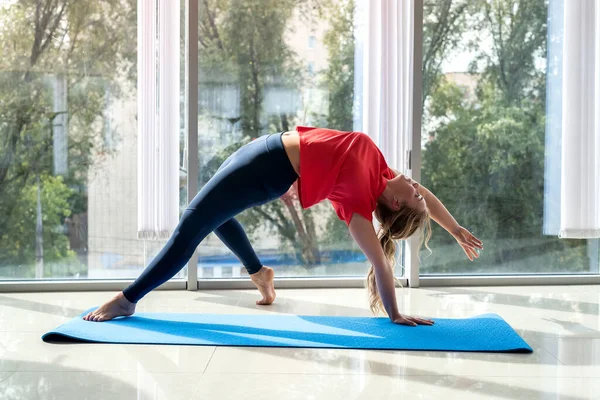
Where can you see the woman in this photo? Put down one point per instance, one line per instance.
(345, 167)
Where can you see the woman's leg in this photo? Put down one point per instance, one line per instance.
(258, 173)
(233, 236)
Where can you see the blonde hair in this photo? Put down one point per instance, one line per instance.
(395, 225)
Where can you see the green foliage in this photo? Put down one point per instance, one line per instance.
(241, 44)
(18, 245)
(519, 33)
(88, 46)
(444, 24)
(241, 47)
(484, 156)
(337, 235)
(252, 34)
(338, 78)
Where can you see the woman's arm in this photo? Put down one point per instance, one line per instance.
(364, 234)
(439, 213)
(442, 216)
(437, 210)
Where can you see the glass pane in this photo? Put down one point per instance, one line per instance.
(259, 76)
(486, 135)
(68, 141)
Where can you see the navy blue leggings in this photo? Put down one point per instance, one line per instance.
(257, 173)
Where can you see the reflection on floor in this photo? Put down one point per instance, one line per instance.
(562, 324)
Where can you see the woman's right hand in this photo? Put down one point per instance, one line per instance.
(468, 242)
(411, 321)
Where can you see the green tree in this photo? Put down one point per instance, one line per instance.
(86, 45)
(243, 44)
(444, 23)
(17, 246)
(485, 156)
(486, 166)
(519, 32)
(338, 78)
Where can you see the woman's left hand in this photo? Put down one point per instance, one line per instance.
(291, 194)
(468, 242)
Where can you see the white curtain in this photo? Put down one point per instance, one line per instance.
(580, 180)
(158, 118)
(388, 78)
(553, 137)
(386, 45)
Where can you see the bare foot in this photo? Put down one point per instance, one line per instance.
(118, 306)
(263, 280)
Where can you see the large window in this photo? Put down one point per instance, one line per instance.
(484, 136)
(68, 140)
(68, 132)
(258, 76)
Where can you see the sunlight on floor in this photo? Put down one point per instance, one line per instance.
(561, 324)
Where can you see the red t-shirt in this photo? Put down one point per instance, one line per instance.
(345, 167)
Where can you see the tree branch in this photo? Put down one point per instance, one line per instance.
(285, 233)
(211, 21)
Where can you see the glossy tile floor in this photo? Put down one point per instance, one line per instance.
(562, 325)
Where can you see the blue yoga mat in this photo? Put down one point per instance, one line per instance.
(488, 332)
